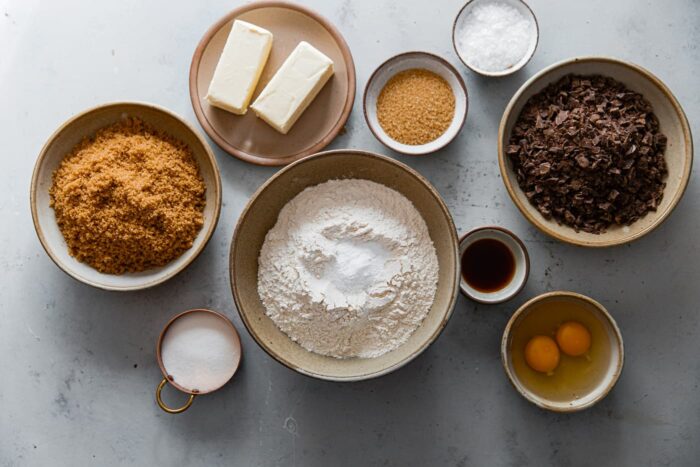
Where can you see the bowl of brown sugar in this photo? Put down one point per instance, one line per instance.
(415, 103)
(125, 195)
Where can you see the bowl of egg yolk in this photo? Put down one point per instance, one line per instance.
(562, 351)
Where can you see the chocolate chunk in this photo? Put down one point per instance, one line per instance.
(588, 153)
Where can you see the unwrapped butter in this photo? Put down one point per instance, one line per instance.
(293, 87)
(239, 68)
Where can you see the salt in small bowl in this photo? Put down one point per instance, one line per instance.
(523, 8)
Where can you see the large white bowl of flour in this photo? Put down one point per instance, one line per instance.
(344, 265)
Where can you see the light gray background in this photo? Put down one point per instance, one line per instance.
(77, 365)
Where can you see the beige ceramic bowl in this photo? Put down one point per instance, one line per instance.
(62, 142)
(673, 123)
(407, 61)
(260, 215)
(614, 369)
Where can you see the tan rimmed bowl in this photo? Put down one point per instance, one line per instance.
(673, 123)
(261, 214)
(407, 61)
(614, 366)
(86, 124)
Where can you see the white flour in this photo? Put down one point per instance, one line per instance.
(349, 269)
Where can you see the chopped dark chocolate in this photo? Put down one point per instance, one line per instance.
(588, 153)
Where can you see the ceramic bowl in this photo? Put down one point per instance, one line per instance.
(523, 8)
(522, 264)
(407, 61)
(260, 215)
(86, 124)
(614, 365)
(673, 123)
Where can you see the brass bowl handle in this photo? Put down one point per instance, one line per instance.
(162, 405)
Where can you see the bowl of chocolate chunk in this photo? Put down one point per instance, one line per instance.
(595, 151)
(125, 195)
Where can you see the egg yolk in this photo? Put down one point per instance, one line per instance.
(573, 338)
(542, 354)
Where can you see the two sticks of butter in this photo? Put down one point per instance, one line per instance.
(290, 91)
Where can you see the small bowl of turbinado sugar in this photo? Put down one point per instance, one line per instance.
(495, 37)
(415, 103)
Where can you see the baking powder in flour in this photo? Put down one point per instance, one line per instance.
(349, 269)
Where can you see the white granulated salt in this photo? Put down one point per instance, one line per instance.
(200, 351)
(494, 36)
(349, 269)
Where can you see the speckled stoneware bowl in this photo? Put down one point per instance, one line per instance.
(673, 123)
(615, 363)
(523, 8)
(407, 61)
(86, 124)
(261, 214)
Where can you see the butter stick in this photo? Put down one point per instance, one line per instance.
(239, 68)
(293, 87)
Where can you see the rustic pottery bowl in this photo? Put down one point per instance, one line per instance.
(523, 8)
(407, 61)
(520, 255)
(260, 215)
(673, 123)
(86, 124)
(614, 365)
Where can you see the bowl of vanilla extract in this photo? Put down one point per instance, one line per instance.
(495, 265)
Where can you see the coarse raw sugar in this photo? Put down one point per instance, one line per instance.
(128, 199)
(416, 106)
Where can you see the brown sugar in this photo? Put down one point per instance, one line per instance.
(128, 199)
(415, 106)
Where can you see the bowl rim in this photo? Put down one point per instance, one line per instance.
(431, 56)
(33, 188)
(455, 280)
(211, 131)
(571, 239)
(507, 71)
(519, 242)
(505, 351)
(159, 346)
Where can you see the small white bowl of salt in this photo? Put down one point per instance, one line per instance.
(495, 37)
(198, 352)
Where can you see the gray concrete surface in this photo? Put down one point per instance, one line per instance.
(78, 366)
